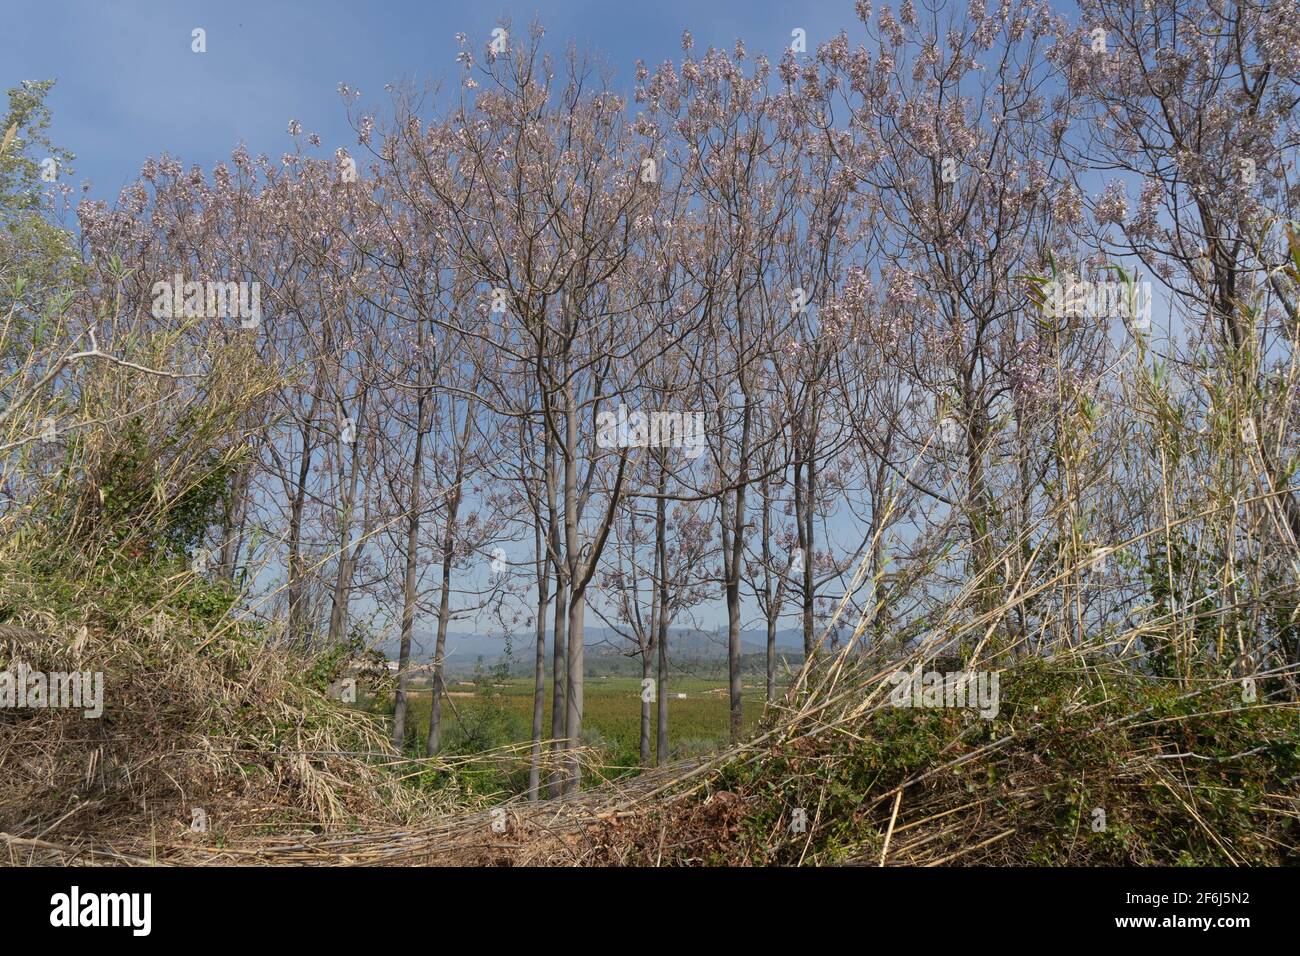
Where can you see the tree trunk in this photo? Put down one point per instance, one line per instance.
(539, 664)
(733, 657)
(661, 730)
(232, 526)
(572, 550)
(734, 545)
(769, 612)
(809, 546)
(560, 662)
(573, 714)
(434, 740)
(408, 588)
(559, 680)
(661, 544)
(297, 584)
(348, 553)
(647, 663)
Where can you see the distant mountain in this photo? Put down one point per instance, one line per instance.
(683, 645)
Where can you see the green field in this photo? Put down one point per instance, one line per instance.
(486, 713)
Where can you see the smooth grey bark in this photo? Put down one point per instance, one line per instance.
(412, 554)
(573, 712)
(539, 665)
(733, 543)
(661, 546)
(560, 662)
(582, 562)
(769, 611)
(232, 526)
(434, 741)
(348, 555)
(647, 664)
(577, 604)
(297, 583)
(646, 636)
(804, 507)
(559, 679)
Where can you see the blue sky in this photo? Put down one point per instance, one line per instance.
(129, 85)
